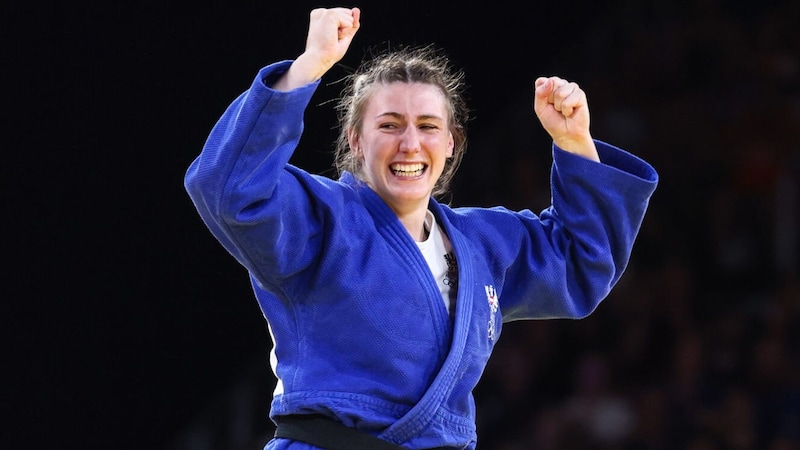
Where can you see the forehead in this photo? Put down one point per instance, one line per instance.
(406, 98)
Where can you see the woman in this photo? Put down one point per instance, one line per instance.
(384, 304)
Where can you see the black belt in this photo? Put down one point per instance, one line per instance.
(324, 432)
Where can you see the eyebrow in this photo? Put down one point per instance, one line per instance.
(400, 116)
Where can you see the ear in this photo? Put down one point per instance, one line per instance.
(353, 141)
(451, 143)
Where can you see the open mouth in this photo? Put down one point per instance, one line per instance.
(408, 170)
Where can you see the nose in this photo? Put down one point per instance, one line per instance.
(409, 140)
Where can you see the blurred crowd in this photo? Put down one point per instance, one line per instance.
(699, 345)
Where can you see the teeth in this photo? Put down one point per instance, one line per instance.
(408, 170)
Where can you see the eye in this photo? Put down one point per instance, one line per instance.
(388, 126)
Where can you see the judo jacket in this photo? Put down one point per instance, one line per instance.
(360, 331)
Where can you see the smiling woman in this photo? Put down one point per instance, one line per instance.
(384, 304)
(404, 141)
(427, 66)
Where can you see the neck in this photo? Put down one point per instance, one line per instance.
(415, 225)
(412, 216)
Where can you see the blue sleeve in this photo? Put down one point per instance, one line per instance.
(242, 184)
(601, 208)
(564, 261)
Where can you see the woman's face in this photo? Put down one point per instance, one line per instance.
(404, 141)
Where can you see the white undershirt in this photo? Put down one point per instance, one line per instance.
(437, 250)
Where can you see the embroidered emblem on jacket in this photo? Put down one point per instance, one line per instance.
(491, 297)
(451, 276)
(451, 280)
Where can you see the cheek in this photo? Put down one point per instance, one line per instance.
(372, 159)
(377, 149)
(444, 148)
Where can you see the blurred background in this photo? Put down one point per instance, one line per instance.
(128, 327)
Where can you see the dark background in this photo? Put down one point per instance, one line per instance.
(128, 327)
